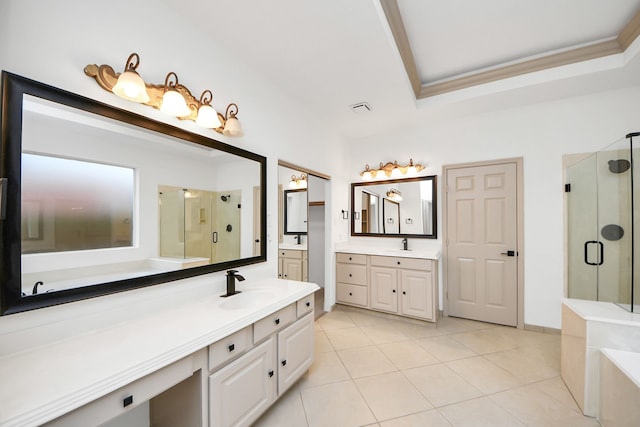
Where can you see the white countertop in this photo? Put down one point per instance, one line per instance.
(41, 383)
(421, 253)
(600, 311)
(293, 246)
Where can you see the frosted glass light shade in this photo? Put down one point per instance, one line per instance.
(174, 104)
(232, 127)
(131, 86)
(208, 117)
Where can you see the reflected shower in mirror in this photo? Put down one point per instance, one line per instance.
(399, 207)
(84, 216)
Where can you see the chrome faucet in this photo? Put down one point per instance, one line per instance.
(231, 282)
(298, 239)
(405, 244)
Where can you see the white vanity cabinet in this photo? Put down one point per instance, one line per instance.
(351, 279)
(398, 285)
(292, 264)
(242, 390)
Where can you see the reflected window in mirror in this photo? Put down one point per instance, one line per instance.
(295, 211)
(71, 205)
(399, 207)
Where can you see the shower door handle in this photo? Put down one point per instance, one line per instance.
(586, 252)
(214, 237)
(601, 260)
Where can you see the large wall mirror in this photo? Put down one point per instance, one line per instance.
(398, 207)
(100, 200)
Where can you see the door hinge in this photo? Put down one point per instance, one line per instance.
(567, 188)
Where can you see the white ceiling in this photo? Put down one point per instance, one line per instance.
(331, 54)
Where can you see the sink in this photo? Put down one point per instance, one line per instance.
(248, 299)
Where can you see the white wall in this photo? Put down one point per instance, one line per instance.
(52, 42)
(540, 134)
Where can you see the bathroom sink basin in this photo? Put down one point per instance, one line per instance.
(248, 299)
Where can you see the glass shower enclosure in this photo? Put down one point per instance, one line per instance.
(603, 217)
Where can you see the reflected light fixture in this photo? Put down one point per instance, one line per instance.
(395, 195)
(171, 98)
(391, 170)
(300, 182)
(173, 103)
(207, 115)
(130, 85)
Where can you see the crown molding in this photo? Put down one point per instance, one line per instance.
(570, 56)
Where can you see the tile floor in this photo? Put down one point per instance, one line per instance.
(371, 370)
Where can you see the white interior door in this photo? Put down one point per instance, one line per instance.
(482, 267)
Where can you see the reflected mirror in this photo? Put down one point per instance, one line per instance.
(295, 211)
(100, 200)
(399, 207)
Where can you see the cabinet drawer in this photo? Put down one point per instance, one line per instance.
(290, 253)
(305, 305)
(270, 324)
(229, 347)
(351, 258)
(399, 262)
(351, 294)
(353, 274)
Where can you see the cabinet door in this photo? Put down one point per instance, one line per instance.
(417, 293)
(240, 392)
(292, 269)
(384, 288)
(295, 352)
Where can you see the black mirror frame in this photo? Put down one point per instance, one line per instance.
(284, 219)
(11, 301)
(432, 178)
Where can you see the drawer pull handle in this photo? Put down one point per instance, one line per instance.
(284, 362)
(270, 374)
(404, 293)
(350, 294)
(398, 262)
(232, 347)
(308, 304)
(350, 275)
(277, 321)
(394, 291)
(127, 401)
(350, 258)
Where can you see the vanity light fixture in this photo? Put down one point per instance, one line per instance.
(130, 85)
(391, 170)
(171, 97)
(207, 115)
(300, 182)
(232, 124)
(173, 103)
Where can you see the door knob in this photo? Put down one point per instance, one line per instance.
(508, 253)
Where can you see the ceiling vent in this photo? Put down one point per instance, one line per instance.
(361, 108)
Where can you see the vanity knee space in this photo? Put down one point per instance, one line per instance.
(251, 368)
